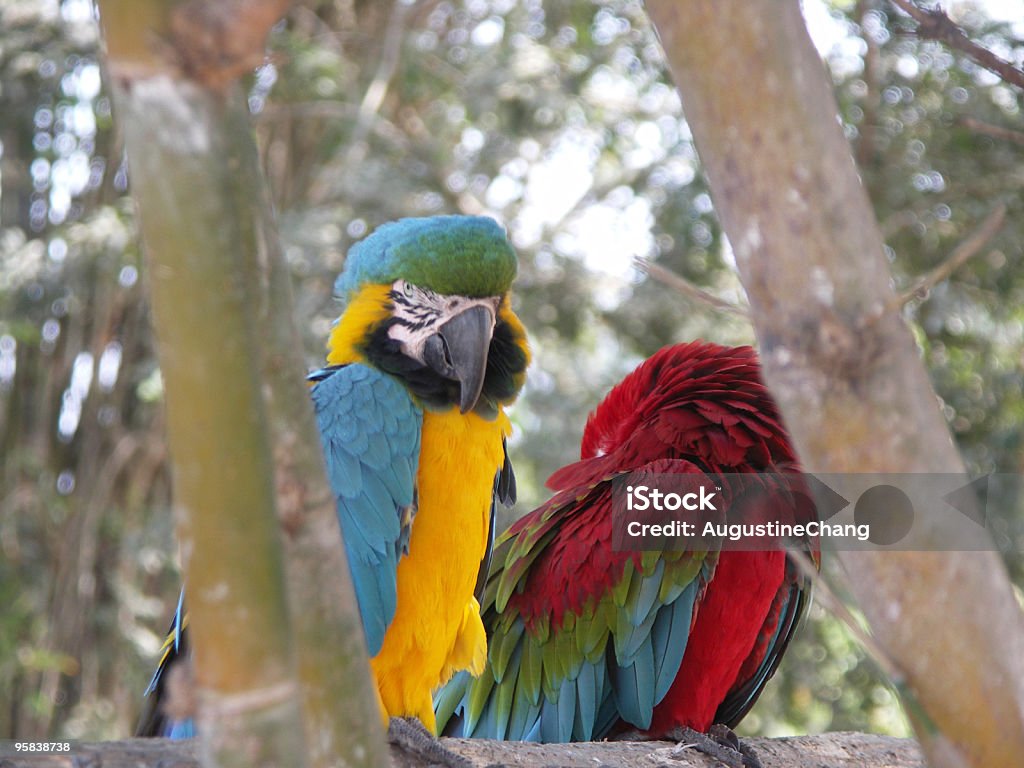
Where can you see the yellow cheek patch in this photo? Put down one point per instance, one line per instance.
(372, 305)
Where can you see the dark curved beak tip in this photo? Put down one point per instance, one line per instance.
(459, 352)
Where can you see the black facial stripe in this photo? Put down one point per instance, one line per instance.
(413, 324)
(411, 314)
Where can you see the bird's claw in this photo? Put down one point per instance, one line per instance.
(720, 743)
(410, 735)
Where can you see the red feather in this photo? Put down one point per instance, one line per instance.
(706, 405)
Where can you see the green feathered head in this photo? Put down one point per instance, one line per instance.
(452, 255)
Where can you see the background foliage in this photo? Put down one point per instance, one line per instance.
(558, 119)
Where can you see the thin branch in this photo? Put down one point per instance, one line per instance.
(824, 594)
(332, 110)
(934, 24)
(995, 131)
(837, 750)
(866, 148)
(688, 289)
(368, 113)
(373, 98)
(970, 246)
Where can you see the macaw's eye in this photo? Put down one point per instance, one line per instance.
(408, 289)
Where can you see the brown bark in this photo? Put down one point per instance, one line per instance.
(239, 419)
(330, 647)
(835, 750)
(838, 357)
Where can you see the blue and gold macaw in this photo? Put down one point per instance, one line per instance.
(422, 362)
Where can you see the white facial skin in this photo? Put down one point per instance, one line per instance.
(421, 313)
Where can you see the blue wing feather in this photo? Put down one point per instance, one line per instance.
(647, 595)
(633, 687)
(370, 429)
(523, 716)
(669, 637)
(566, 709)
(549, 722)
(589, 693)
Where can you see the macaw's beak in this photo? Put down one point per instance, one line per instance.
(458, 351)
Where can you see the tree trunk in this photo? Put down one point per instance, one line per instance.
(236, 400)
(343, 721)
(838, 357)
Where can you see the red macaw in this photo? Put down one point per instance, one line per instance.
(587, 642)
